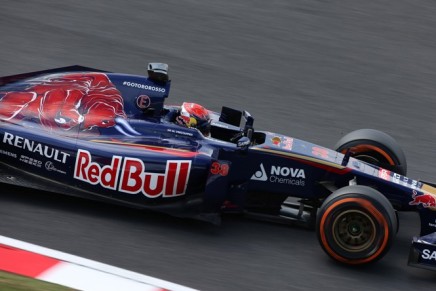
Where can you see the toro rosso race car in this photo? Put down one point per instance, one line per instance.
(85, 132)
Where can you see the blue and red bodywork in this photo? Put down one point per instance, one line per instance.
(80, 131)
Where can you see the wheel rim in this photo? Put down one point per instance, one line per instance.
(354, 231)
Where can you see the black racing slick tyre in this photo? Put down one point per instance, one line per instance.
(374, 147)
(356, 225)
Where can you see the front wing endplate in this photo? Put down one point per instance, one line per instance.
(423, 252)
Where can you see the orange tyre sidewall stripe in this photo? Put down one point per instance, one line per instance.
(362, 148)
(369, 207)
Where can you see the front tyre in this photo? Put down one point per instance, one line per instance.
(374, 147)
(356, 225)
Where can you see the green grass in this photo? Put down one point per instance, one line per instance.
(11, 282)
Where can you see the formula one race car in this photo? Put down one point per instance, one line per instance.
(85, 132)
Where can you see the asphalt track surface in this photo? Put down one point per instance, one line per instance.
(314, 70)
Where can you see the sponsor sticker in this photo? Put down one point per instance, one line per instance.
(320, 152)
(143, 86)
(428, 255)
(384, 174)
(49, 166)
(288, 143)
(276, 140)
(143, 101)
(180, 132)
(396, 178)
(260, 175)
(427, 200)
(9, 154)
(129, 175)
(282, 142)
(35, 147)
(399, 179)
(416, 184)
(30, 161)
(280, 175)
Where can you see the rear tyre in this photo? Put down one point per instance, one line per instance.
(356, 225)
(374, 147)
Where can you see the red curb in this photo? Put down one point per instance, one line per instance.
(23, 262)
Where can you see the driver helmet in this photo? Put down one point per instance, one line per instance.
(195, 116)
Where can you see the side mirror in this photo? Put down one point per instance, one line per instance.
(243, 142)
(248, 128)
(158, 72)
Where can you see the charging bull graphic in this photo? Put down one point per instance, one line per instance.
(64, 101)
(426, 200)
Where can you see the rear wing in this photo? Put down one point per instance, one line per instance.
(15, 78)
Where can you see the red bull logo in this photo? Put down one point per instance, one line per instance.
(427, 200)
(129, 175)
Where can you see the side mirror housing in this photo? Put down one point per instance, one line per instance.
(243, 142)
(158, 72)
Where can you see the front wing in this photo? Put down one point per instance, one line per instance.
(423, 252)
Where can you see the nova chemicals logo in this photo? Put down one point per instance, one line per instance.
(260, 175)
(281, 175)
